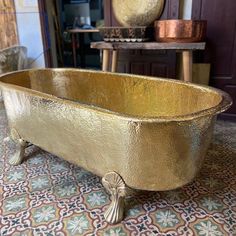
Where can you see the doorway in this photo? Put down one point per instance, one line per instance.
(65, 15)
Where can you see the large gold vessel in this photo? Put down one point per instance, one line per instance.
(138, 132)
(137, 13)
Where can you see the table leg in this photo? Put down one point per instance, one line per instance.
(81, 50)
(114, 61)
(187, 65)
(105, 60)
(74, 46)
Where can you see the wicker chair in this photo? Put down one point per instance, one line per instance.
(12, 59)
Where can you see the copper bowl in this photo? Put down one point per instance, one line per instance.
(181, 31)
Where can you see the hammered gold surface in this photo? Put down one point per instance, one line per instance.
(153, 132)
(138, 12)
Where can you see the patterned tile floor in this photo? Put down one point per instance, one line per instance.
(48, 196)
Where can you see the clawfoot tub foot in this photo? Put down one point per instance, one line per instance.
(115, 185)
(21, 144)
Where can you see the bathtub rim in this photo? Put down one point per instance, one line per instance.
(223, 105)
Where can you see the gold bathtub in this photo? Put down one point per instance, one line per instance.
(137, 132)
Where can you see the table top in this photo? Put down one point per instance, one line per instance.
(148, 45)
(75, 31)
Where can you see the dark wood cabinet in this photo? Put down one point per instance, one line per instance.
(221, 44)
(154, 63)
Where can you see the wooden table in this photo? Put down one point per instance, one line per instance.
(80, 32)
(185, 48)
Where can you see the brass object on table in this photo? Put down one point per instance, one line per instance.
(138, 12)
(152, 134)
(127, 34)
(180, 31)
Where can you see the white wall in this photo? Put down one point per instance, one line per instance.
(29, 31)
(185, 9)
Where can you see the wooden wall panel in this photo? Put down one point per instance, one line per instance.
(221, 44)
(8, 29)
(159, 69)
(140, 68)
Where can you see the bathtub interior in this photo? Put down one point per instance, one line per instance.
(128, 95)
